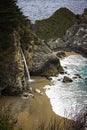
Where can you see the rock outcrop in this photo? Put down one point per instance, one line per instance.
(40, 59)
(15, 32)
(67, 79)
(12, 68)
(75, 38)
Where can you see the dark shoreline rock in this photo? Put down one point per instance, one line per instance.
(67, 79)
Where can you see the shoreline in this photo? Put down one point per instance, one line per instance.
(33, 111)
(30, 113)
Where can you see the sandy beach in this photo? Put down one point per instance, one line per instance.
(31, 112)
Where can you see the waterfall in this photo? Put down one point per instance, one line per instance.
(26, 67)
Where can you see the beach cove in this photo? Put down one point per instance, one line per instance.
(32, 111)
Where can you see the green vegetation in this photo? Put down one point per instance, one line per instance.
(6, 123)
(10, 15)
(11, 19)
(56, 25)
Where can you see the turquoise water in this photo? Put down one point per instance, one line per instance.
(68, 99)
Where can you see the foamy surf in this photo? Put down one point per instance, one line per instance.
(68, 99)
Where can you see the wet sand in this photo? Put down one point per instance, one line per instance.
(32, 111)
(29, 112)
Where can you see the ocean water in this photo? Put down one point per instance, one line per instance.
(68, 99)
(41, 9)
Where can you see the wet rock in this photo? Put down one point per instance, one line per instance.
(78, 76)
(27, 95)
(59, 79)
(61, 54)
(49, 78)
(65, 67)
(75, 77)
(62, 72)
(67, 79)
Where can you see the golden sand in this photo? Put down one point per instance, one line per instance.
(31, 112)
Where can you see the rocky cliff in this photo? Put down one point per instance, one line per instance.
(40, 59)
(16, 33)
(75, 38)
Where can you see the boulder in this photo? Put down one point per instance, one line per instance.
(75, 77)
(67, 79)
(78, 76)
(49, 78)
(27, 95)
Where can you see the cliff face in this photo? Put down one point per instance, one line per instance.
(15, 33)
(75, 38)
(11, 67)
(40, 59)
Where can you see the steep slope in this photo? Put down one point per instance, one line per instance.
(11, 66)
(15, 33)
(75, 38)
(56, 25)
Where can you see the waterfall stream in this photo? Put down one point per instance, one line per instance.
(26, 67)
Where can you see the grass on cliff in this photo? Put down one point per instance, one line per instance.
(56, 25)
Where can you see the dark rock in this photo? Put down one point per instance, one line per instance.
(77, 75)
(61, 54)
(59, 79)
(67, 79)
(62, 72)
(65, 67)
(49, 78)
(65, 72)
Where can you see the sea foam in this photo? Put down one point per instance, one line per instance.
(68, 99)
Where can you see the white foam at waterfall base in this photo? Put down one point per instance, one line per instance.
(31, 80)
(68, 99)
